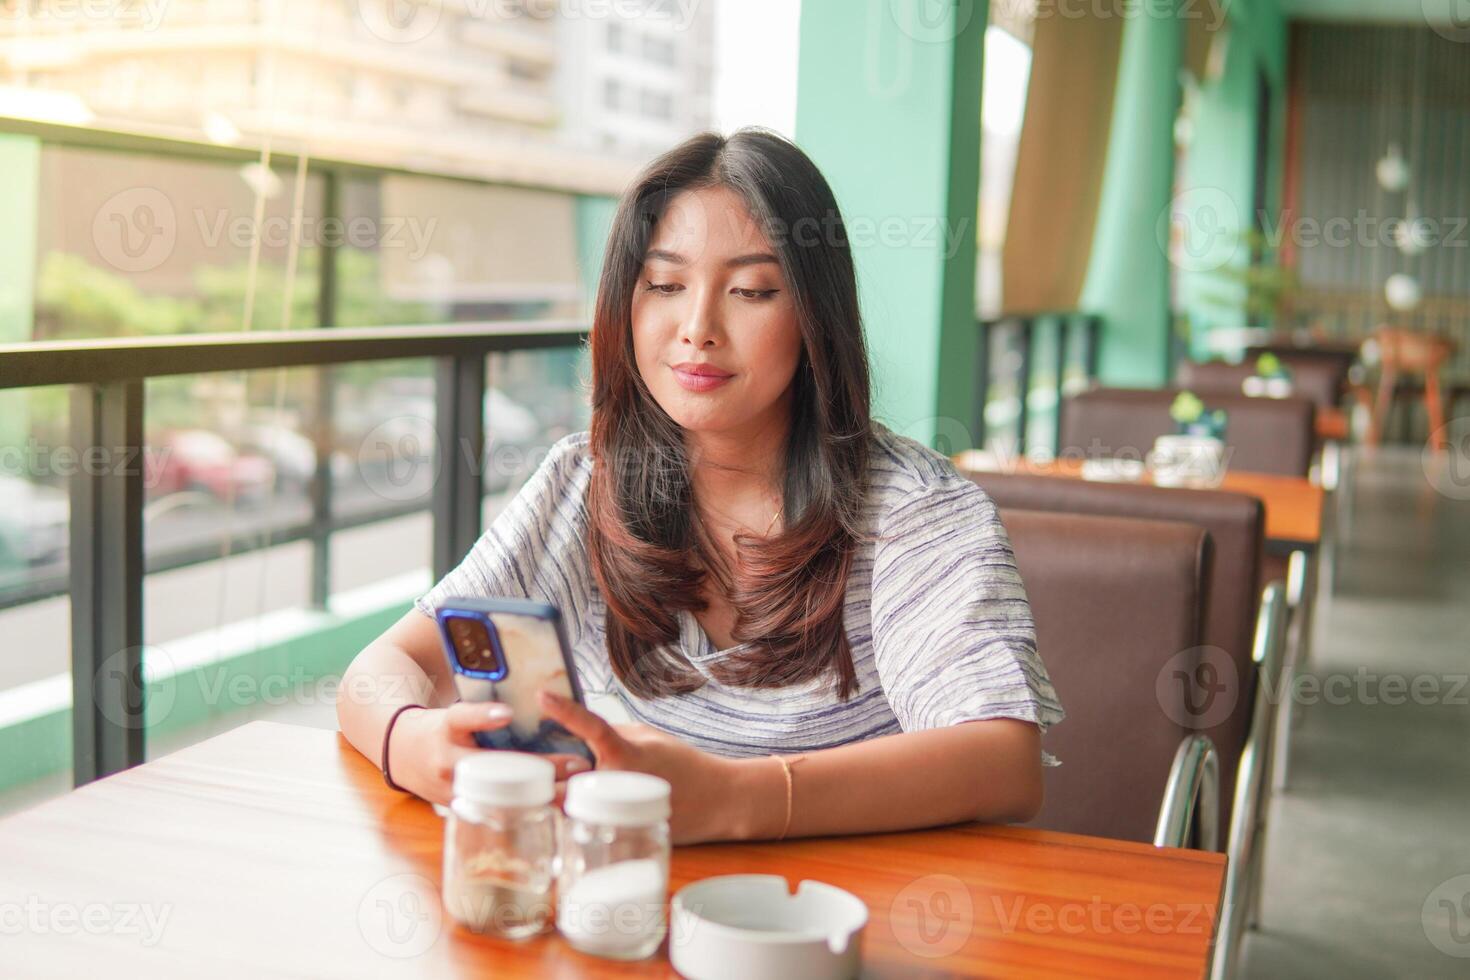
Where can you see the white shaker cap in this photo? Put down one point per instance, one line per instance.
(494, 777)
(623, 799)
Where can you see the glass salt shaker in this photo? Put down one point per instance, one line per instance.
(614, 875)
(500, 844)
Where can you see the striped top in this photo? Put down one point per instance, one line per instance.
(936, 615)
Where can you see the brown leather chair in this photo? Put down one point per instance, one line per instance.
(1320, 382)
(1263, 435)
(1115, 601)
(1230, 603)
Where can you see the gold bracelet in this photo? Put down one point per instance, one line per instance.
(786, 765)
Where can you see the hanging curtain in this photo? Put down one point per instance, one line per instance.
(1059, 163)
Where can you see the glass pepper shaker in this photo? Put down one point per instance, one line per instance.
(500, 844)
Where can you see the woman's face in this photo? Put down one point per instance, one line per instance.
(715, 329)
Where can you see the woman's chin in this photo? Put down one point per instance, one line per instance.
(707, 419)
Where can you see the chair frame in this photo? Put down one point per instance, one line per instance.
(1240, 908)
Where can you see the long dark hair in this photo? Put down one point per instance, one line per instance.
(649, 560)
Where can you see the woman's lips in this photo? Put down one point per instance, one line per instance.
(691, 381)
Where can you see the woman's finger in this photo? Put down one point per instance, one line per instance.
(567, 764)
(605, 743)
(467, 717)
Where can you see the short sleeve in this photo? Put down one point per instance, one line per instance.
(536, 547)
(953, 637)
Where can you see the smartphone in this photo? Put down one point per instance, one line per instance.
(509, 650)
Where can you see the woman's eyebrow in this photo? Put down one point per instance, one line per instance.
(754, 258)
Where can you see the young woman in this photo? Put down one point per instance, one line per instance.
(817, 623)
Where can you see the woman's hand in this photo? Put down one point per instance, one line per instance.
(427, 743)
(707, 799)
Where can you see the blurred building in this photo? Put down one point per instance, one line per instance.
(528, 91)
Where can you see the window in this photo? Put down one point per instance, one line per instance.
(656, 105)
(659, 50)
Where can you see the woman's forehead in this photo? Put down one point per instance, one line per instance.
(711, 222)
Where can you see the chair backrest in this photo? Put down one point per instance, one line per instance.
(1338, 358)
(1264, 435)
(1236, 524)
(1116, 603)
(1319, 381)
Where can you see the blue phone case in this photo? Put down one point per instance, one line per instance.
(530, 652)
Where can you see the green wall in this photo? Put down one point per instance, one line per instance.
(42, 744)
(888, 106)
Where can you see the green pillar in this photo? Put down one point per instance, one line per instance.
(1128, 275)
(1221, 173)
(1217, 202)
(888, 105)
(594, 222)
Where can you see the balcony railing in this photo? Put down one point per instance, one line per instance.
(106, 379)
(1013, 371)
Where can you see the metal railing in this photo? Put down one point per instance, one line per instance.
(106, 379)
(1007, 355)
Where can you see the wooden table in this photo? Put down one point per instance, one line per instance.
(1293, 504)
(275, 850)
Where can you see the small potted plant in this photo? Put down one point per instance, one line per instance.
(1271, 380)
(1193, 456)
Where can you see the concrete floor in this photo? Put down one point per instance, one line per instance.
(1369, 840)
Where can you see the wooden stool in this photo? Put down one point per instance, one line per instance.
(1410, 352)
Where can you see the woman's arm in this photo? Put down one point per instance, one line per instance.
(403, 666)
(988, 771)
(979, 770)
(406, 665)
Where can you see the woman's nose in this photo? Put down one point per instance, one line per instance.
(701, 326)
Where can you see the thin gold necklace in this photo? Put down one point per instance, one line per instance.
(776, 517)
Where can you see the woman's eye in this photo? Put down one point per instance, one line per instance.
(755, 293)
(663, 287)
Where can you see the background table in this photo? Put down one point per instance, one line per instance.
(275, 850)
(1293, 504)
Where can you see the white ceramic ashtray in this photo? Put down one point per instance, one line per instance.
(751, 927)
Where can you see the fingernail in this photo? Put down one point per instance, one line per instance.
(497, 710)
(578, 765)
